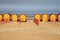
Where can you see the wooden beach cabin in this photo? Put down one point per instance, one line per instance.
(23, 17)
(6, 17)
(45, 17)
(1, 18)
(14, 17)
(37, 16)
(58, 17)
(52, 17)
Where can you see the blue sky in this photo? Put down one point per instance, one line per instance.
(29, 5)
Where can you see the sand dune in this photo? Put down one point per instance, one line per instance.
(30, 31)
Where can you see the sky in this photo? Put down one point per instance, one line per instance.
(29, 5)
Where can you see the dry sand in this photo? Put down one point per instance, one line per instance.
(30, 31)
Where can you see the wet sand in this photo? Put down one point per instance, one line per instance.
(30, 31)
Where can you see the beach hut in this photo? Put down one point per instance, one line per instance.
(52, 17)
(58, 17)
(6, 17)
(14, 17)
(23, 18)
(1, 17)
(37, 18)
(44, 17)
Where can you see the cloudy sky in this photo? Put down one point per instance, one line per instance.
(29, 4)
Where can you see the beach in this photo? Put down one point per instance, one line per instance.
(30, 31)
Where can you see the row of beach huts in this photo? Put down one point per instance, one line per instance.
(23, 17)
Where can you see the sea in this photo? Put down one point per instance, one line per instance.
(30, 12)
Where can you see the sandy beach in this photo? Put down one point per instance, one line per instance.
(30, 31)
